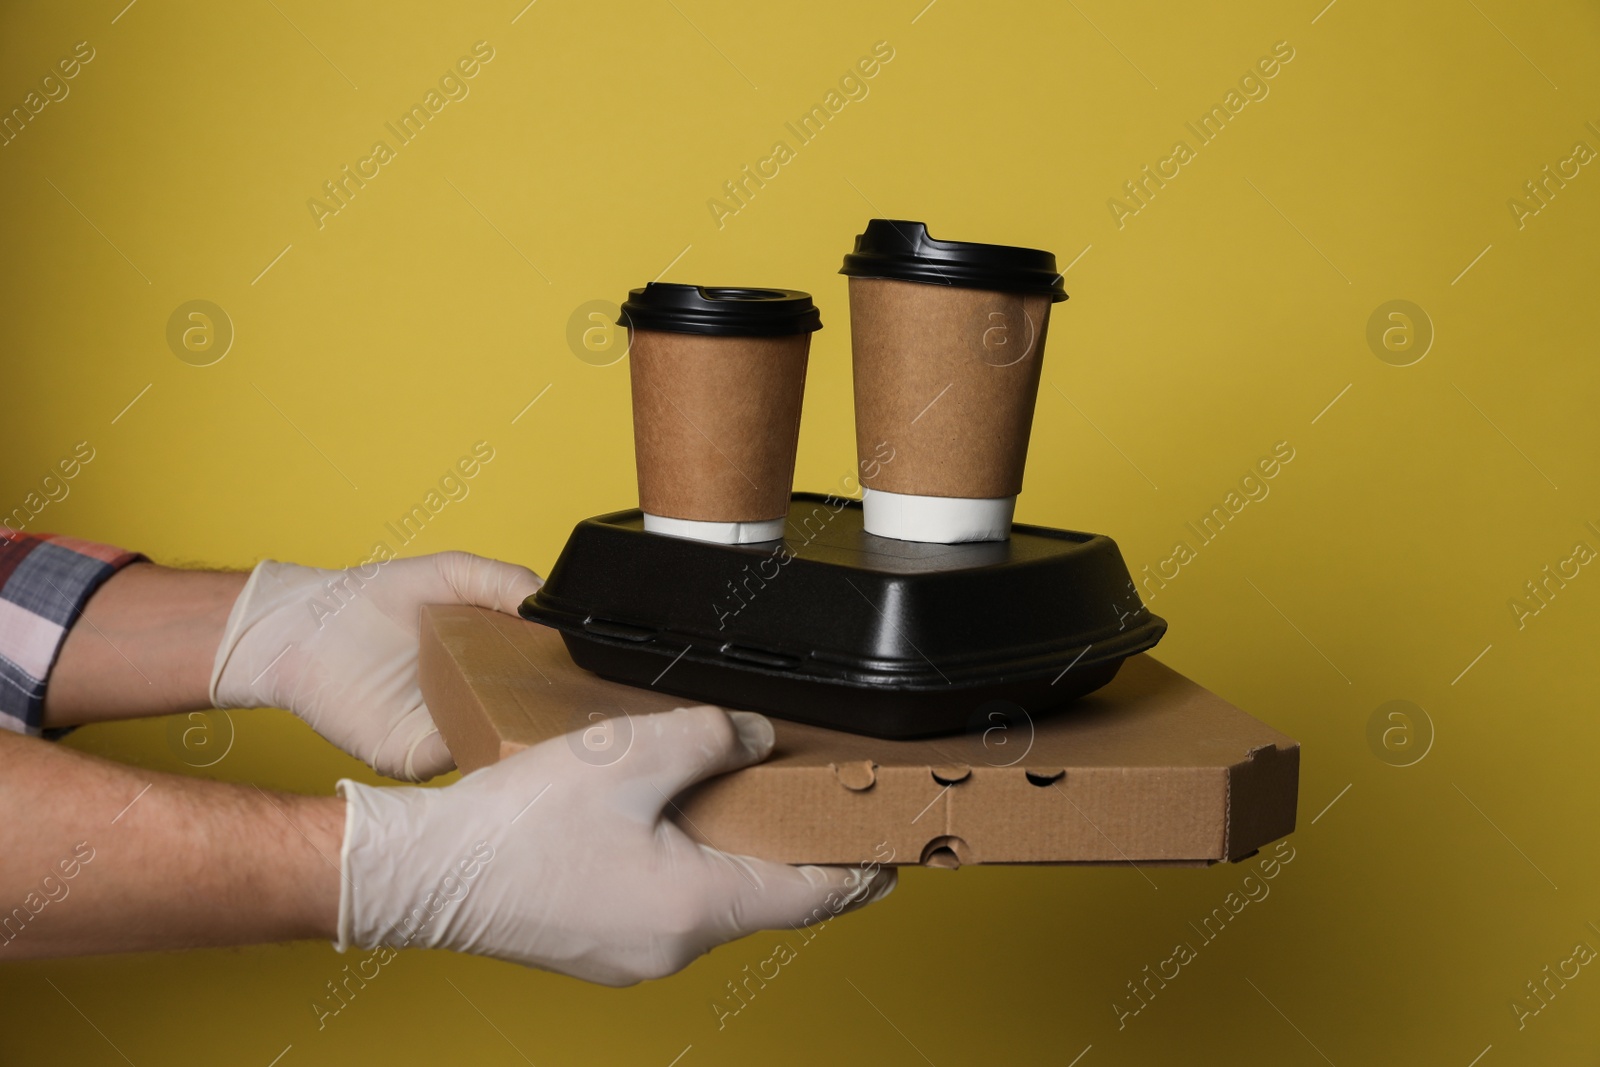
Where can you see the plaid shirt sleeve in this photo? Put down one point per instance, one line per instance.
(45, 581)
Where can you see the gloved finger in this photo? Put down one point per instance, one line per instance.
(487, 583)
(428, 758)
(762, 895)
(675, 749)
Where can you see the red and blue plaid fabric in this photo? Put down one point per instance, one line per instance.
(45, 581)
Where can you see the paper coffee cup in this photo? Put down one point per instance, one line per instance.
(717, 377)
(948, 344)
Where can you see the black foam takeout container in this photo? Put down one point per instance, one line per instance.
(839, 628)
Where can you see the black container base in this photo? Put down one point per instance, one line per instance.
(897, 715)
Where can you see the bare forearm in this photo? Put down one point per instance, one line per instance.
(119, 859)
(144, 645)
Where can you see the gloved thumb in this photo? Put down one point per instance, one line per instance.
(672, 750)
(486, 583)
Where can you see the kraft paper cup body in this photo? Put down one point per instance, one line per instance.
(716, 420)
(945, 384)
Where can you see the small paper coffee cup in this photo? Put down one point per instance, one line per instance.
(717, 376)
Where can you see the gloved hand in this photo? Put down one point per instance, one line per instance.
(549, 861)
(339, 649)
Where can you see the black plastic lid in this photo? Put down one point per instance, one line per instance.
(903, 251)
(720, 311)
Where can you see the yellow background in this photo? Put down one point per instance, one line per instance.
(1221, 319)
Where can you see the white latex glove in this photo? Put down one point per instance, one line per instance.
(547, 860)
(339, 649)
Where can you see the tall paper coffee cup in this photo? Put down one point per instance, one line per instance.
(717, 377)
(948, 344)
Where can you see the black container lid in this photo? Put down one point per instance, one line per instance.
(720, 311)
(851, 607)
(903, 251)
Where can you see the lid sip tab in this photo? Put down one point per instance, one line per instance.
(720, 311)
(898, 250)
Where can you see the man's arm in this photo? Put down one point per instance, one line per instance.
(96, 857)
(100, 857)
(338, 648)
(143, 645)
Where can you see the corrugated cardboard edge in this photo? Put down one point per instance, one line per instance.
(1262, 799)
(444, 684)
